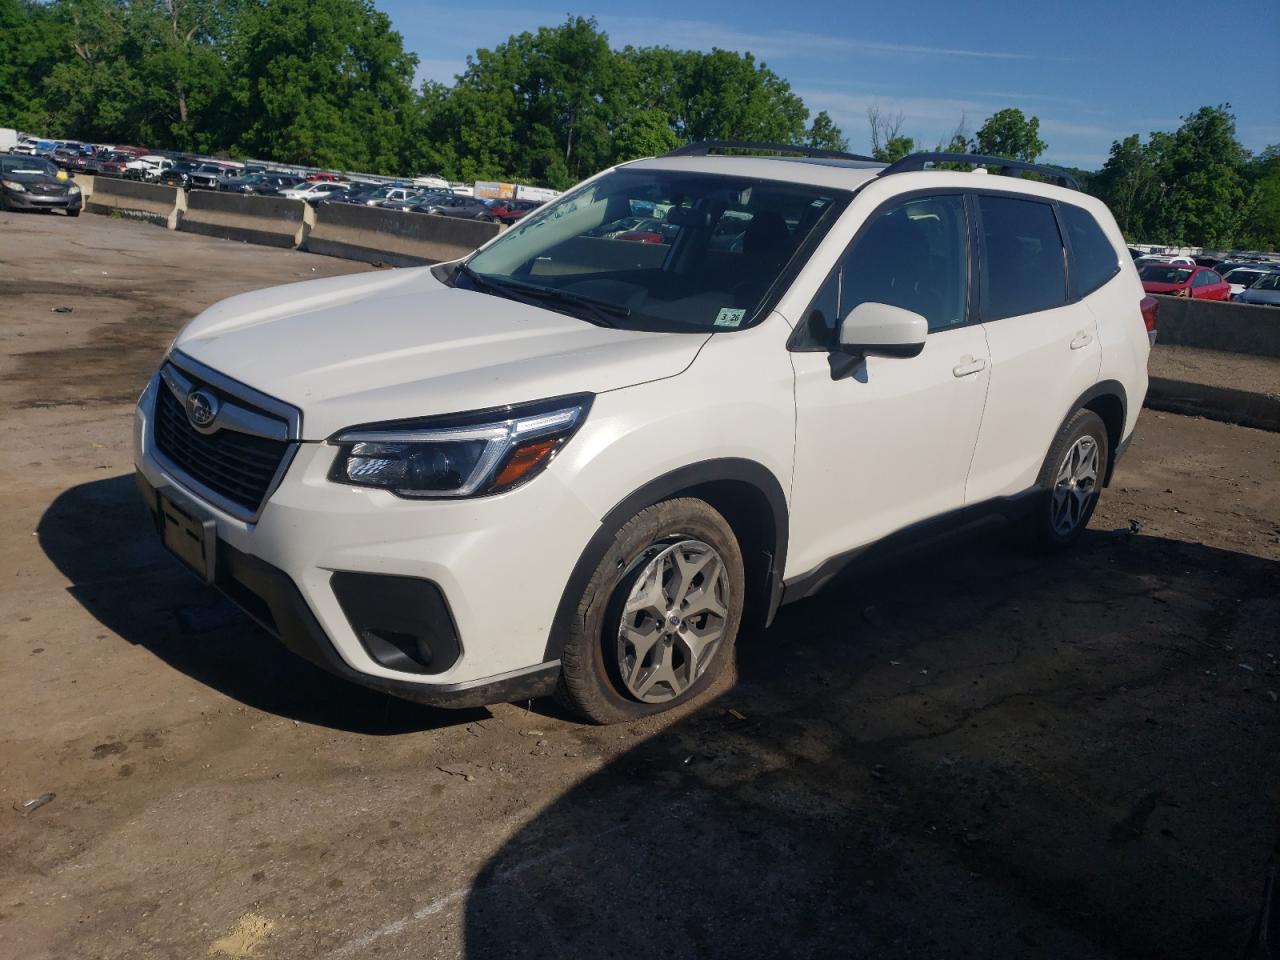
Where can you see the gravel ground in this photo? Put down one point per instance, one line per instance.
(971, 752)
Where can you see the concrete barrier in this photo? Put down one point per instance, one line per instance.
(85, 182)
(140, 201)
(271, 221)
(1220, 325)
(394, 237)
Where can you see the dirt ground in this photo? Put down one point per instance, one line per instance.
(969, 753)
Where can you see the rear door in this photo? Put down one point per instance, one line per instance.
(1044, 343)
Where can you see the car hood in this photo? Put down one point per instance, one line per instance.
(38, 179)
(399, 343)
(1271, 297)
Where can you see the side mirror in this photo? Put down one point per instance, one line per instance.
(883, 330)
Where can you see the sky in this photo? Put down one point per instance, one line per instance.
(1093, 72)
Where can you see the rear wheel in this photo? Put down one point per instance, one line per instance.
(658, 619)
(1072, 477)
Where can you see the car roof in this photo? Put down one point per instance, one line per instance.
(852, 174)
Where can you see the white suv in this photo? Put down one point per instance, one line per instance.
(580, 458)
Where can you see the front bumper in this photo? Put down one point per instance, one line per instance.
(501, 563)
(30, 201)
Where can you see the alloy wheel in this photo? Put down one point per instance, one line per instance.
(1075, 485)
(673, 620)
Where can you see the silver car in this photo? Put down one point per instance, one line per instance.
(1265, 291)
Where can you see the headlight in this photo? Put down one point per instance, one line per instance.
(73, 189)
(458, 456)
(14, 186)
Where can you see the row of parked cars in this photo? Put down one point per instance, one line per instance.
(429, 195)
(1245, 279)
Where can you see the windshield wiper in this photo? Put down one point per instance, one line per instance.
(601, 311)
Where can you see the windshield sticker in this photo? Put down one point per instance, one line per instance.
(729, 317)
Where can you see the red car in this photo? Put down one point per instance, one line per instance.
(322, 178)
(509, 211)
(1176, 280)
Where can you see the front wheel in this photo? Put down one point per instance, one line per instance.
(657, 622)
(1072, 478)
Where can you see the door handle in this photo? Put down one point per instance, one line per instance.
(1082, 340)
(969, 367)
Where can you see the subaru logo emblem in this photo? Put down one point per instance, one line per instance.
(202, 407)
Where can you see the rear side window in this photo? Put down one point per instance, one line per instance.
(1023, 266)
(1093, 259)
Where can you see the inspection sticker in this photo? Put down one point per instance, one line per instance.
(729, 317)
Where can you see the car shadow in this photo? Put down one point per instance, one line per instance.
(99, 536)
(971, 753)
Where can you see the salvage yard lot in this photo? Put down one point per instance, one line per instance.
(970, 752)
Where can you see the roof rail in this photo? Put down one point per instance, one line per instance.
(916, 161)
(703, 148)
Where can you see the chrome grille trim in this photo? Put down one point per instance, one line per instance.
(244, 411)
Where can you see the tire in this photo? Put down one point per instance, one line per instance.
(73, 213)
(1070, 494)
(662, 546)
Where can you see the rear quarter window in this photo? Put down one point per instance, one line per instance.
(1093, 260)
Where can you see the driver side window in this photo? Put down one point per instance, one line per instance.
(913, 254)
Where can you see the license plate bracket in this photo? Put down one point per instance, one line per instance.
(188, 534)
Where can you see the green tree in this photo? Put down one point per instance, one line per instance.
(1201, 164)
(895, 148)
(1260, 224)
(32, 41)
(825, 135)
(323, 82)
(1010, 133)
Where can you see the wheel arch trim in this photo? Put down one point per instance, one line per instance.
(684, 481)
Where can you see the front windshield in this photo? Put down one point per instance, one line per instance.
(1165, 274)
(33, 166)
(663, 250)
(1269, 281)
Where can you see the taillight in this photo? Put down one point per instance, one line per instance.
(1150, 308)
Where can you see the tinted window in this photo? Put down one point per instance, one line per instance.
(1093, 259)
(1213, 277)
(1163, 273)
(913, 255)
(1023, 266)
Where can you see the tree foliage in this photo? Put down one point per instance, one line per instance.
(329, 83)
(1010, 133)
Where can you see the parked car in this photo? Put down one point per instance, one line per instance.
(1242, 277)
(509, 211)
(1207, 261)
(1177, 280)
(321, 177)
(207, 176)
(36, 183)
(377, 196)
(314, 190)
(113, 164)
(463, 208)
(416, 203)
(148, 167)
(65, 156)
(1264, 292)
(265, 184)
(1157, 258)
(179, 175)
(610, 461)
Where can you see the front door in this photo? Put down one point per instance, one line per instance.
(891, 443)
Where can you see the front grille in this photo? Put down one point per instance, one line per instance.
(237, 466)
